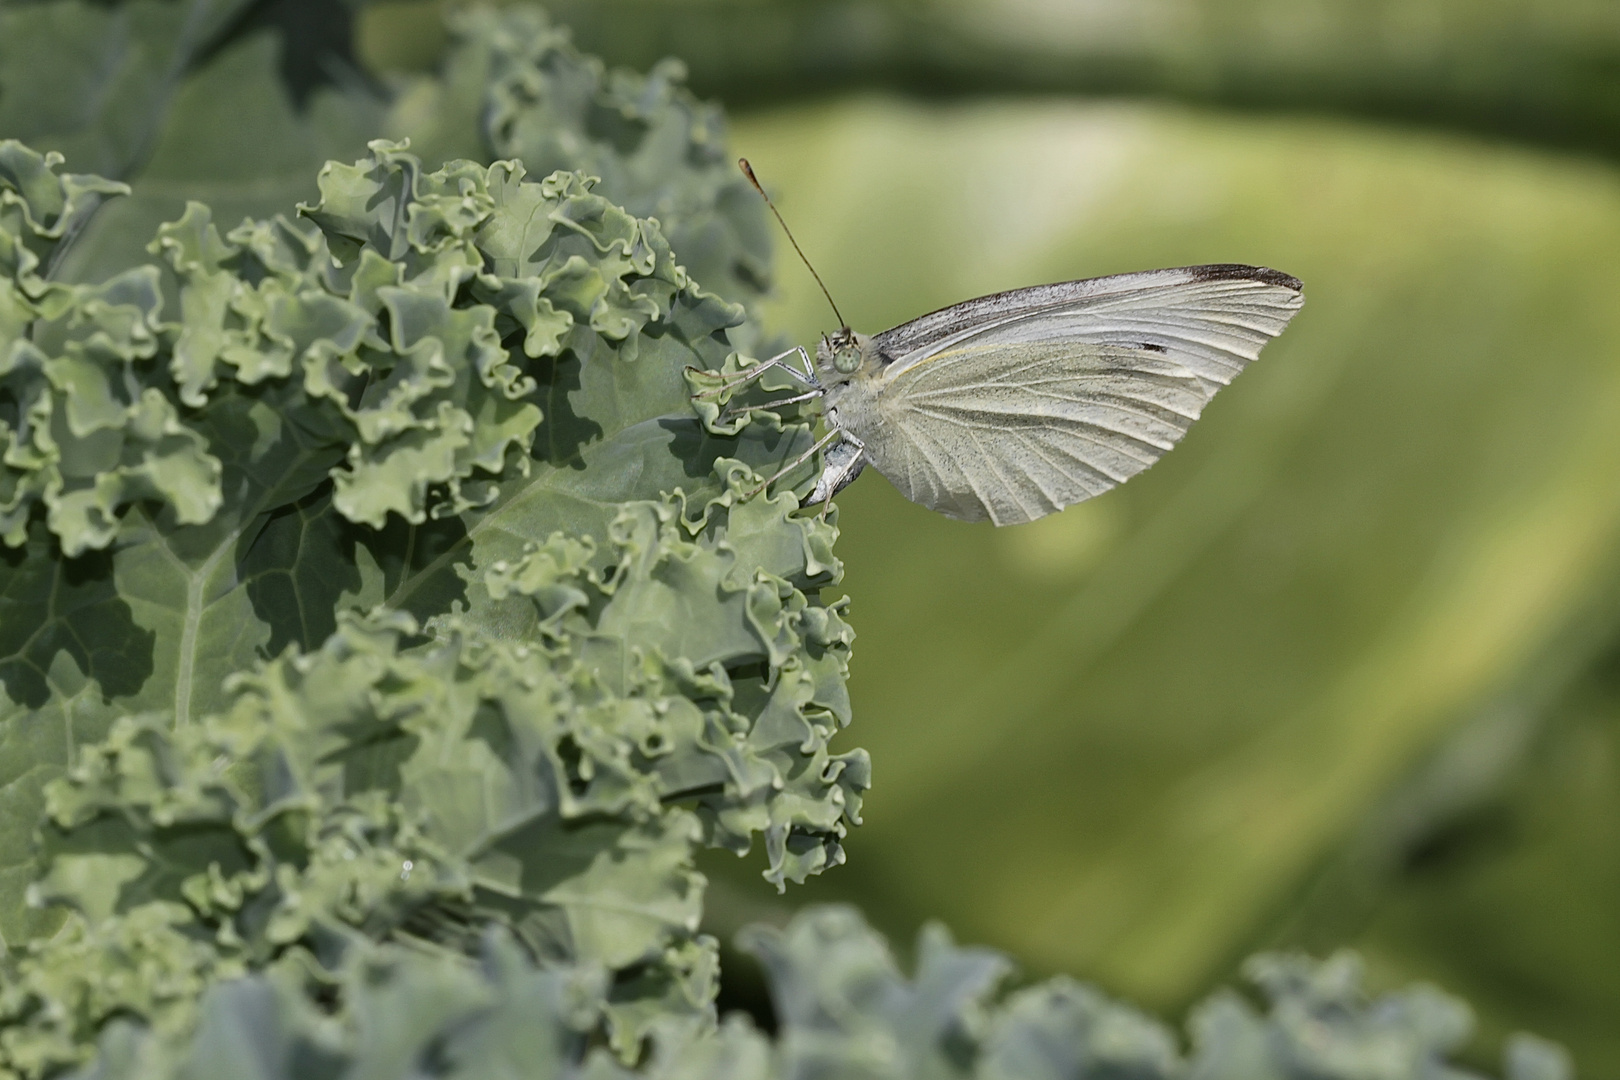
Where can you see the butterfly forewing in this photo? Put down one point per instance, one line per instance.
(1211, 319)
(1012, 406)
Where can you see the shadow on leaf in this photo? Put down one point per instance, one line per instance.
(51, 606)
(308, 563)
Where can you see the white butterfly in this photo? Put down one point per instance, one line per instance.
(1014, 405)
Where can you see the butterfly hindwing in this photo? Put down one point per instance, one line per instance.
(1013, 406)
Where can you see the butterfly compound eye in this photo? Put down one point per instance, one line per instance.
(846, 360)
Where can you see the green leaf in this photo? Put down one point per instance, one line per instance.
(41, 211)
(844, 1008)
(512, 86)
(623, 663)
(367, 789)
(230, 136)
(324, 397)
(94, 81)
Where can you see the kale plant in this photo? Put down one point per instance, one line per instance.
(388, 591)
(384, 632)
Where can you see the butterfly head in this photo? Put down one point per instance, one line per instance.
(841, 356)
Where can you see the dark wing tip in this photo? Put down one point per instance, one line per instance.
(1241, 272)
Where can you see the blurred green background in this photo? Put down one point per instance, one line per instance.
(1330, 674)
(1338, 671)
(1342, 670)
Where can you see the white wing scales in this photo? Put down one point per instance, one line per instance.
(1016, 405)
(1038, 435)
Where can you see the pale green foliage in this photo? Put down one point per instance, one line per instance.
(845, 1010)
(74, 441)
(457, 406)
(514, 87)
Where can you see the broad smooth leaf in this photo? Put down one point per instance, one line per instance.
(94, 82)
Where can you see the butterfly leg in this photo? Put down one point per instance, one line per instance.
(806, 396)
(844, 463)
(796, 462)
(807, 376)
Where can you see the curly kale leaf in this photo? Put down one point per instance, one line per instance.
(844, 1009)
(513, 86)
(557, 785)
(449, 369)
(533, 644)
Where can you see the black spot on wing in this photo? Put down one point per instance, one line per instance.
(926, 329)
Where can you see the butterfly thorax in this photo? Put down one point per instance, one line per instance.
(845, 356)
(850, 367)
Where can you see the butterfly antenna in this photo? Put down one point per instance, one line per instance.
(748, 171)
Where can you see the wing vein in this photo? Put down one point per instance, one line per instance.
(1013, 405)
